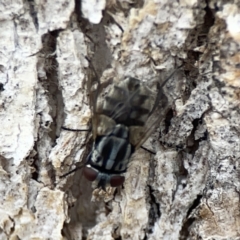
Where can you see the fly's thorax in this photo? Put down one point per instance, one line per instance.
(110, 156)
(111, 152)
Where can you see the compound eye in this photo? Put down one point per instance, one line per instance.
(116, 181)
(90, 173)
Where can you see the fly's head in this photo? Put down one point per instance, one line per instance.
(102, 179)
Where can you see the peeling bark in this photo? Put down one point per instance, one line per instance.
(189, 189)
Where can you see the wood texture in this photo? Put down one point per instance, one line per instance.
(189, 189)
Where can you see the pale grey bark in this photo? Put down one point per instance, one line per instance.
(189, 189)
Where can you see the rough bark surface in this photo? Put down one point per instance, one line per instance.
(49, 50)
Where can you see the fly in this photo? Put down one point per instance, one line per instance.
(121, 122)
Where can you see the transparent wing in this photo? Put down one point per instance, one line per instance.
(138, 135)
(95, 88)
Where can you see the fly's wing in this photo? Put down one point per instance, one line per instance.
(93, 90)
(139, 134)
(99, 121)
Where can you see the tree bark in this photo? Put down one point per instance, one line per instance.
(50, 50)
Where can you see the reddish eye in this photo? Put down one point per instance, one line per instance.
(90, 173)
(116, 181)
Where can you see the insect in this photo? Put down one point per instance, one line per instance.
(121, 123)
